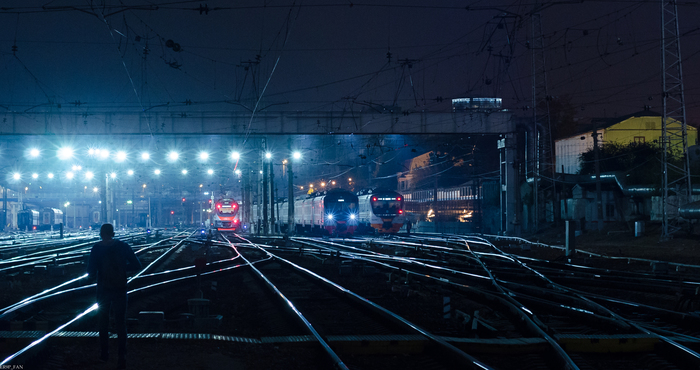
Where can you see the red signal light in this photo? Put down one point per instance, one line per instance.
(234, 206)
(235, 220)
(172, 212)
(183, 199)
(398, 198)
(401, 211)
(374, 199)
(218, 205)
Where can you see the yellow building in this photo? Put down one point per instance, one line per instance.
(641, 127)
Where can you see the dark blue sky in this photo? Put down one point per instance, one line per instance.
(332, 55)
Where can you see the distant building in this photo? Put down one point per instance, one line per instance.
(641, 127)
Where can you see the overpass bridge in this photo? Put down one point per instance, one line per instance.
(200, 129)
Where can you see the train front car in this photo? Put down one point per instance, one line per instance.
(224, 216)
(381, 210)
(340, 209)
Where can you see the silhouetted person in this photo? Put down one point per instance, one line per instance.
(408, 225)
(109, 261)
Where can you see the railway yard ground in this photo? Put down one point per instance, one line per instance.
(618, 240)
(423, 301)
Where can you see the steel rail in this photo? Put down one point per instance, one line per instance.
(337, 362)
(695, 356)
(454, 351)
(25, 350)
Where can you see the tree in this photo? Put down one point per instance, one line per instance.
(640, 162)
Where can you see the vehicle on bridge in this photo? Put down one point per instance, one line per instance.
(380, 210)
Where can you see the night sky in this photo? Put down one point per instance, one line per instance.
(73, 55)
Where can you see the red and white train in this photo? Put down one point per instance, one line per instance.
(381, 210)
(224, 215)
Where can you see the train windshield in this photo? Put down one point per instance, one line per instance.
(226, 207)
(387, 205)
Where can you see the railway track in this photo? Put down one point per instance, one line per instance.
(427, 301)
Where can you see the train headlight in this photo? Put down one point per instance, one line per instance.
(352, 216)
(330, 216)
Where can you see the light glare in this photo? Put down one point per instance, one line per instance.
(65, 153)
(34, 152)
(121, 156)
(173, 156)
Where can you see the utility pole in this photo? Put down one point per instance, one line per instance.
(273, 224)
(598, 191)
(265, 191)
(543, 159)
(674, 129)
(103, 199)
(290, 185)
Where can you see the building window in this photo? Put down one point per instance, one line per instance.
(639, 139)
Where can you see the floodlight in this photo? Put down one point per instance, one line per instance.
(65, 153)
(121, 156)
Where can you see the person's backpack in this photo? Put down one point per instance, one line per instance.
(113, 269)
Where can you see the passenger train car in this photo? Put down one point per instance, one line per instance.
(381, 210)
(51, 218)
(332, 212)
(28, 219)
(224, 215)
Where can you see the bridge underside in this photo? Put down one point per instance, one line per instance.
(279, 123)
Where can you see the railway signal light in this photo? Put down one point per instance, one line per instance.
(183, 200)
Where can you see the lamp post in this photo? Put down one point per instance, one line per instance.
(290, 202)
